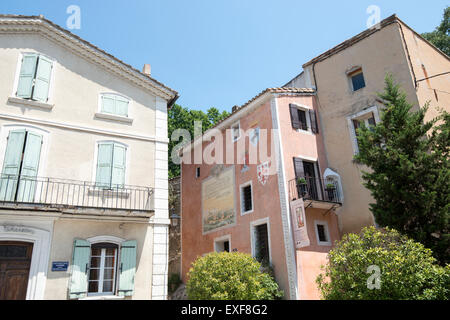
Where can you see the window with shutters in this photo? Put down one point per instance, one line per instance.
(303, 118)
(34, 77)
(111, 165)
(102, 269)
(114, 104)
(246, 198)
(322, 233)
(20, 165)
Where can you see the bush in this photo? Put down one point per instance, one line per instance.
(230, 276)
(407, 270)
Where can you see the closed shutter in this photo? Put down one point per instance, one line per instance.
(11, 165)
(104, 164)
(30, 166)
(80, 262)
(298, 167)
(108, 104)
(26, 77)
(118, 169)
(121, 106)
(313, 118)
(295, 121)
(127, 268)
(42, 82)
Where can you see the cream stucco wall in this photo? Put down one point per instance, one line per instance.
(64, 233)
(377, 54)
(71, 130)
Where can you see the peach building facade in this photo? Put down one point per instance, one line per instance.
(250, 203)
(347, 78)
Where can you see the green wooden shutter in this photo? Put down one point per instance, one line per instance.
(30, 166)
(104, 164)
(127, 268)
(42, 82)
(80, 262)
(26, 77)
(11, 165)
(108, 104)
(121, 106)
(118, 170)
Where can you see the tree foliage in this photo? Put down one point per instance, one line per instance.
(382, 264)
(183, 118)
(230, 276)
(409, 175)
(441, 36)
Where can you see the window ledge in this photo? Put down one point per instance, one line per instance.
(105, 297)
(107, 116)
(305, 131)
(31, 103)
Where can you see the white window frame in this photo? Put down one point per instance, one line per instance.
(327, 233)
(253, 226)
(109, 116)
(241, 196)
(232, 128)
(108, 239)
(127, 159)
(13, 98)
(308, 118)
(357, 116)
(221, 240)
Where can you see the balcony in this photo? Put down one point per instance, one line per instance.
(51, 193)
(313, 189)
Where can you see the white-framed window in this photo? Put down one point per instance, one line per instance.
(303, 118)
(356, 79)
(34, 77)
(246, 191)
(322, 233)
(103, 269)
(260, 241)
(222, 244)
(235, 131)
(368, 117)
(114, 104)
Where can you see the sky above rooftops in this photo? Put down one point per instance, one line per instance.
(220, 53)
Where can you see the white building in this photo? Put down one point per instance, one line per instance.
(83, 154)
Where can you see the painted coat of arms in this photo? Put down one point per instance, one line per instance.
(263, 172)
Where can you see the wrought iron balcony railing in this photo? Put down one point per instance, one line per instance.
(311, 188)
(73, 193)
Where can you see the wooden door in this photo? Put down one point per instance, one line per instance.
(15, 261)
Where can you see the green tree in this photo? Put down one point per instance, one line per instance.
(230, 276)
(183, 118)
(441, 36)
(409, 175)
(382, 264)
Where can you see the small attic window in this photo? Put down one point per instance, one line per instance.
(357, 79)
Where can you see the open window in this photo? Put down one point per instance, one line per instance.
(322, 233)
(222, 244)
(261, 241)
(246, 198)
(368, 118)
(303, 118)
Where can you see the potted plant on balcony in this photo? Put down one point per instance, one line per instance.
(331, 190)
(301, 186)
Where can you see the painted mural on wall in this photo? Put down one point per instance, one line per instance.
(218, 199)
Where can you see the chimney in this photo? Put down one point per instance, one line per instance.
(147, 69)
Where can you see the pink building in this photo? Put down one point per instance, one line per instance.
(276, 204)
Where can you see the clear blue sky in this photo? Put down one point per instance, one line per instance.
(223, 52)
